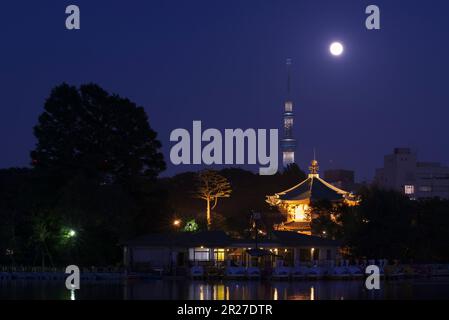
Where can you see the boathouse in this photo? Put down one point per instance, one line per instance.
(179, 250)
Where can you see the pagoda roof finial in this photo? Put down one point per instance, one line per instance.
(314, 168)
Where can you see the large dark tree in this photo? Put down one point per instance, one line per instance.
(102, 135)
(101, 158)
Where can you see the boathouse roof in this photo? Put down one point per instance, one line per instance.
(288, 238)
(221, 239)
(183, 239)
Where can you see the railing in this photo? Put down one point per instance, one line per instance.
(60, 269)
(58, 273)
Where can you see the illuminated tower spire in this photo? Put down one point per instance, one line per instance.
(288, 143)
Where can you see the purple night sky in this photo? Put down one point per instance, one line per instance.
(223, 62)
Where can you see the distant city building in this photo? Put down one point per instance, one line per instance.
(288, 143)
(343, 179)
(402, 172)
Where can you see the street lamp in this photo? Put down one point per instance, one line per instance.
(177, 223)
(69, 233)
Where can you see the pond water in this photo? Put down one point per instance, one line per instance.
(435, 288)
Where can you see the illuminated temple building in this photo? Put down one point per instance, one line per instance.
(295, 203)
(292, 244)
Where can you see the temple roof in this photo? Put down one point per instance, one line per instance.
(312, 189)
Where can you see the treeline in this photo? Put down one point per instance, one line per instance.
(94, 182)
(389, 225)
(45, 221)
(38, 210)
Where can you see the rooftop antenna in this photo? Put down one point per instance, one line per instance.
(289, 64)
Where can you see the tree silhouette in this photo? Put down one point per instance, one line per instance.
(101, 158)
(102, 135)
(211, 187)
(45, 232)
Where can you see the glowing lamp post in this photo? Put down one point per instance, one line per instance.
(69, 233)
(177, 223)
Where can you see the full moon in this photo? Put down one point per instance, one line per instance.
(336, 48)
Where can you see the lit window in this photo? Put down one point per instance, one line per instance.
(288, 106)
(288, 123)
(409, 189)
(301, 213)
(288, 157)
(199, 254)
(219, 254)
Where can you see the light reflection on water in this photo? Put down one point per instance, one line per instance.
(437, 288)
(72, 295)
